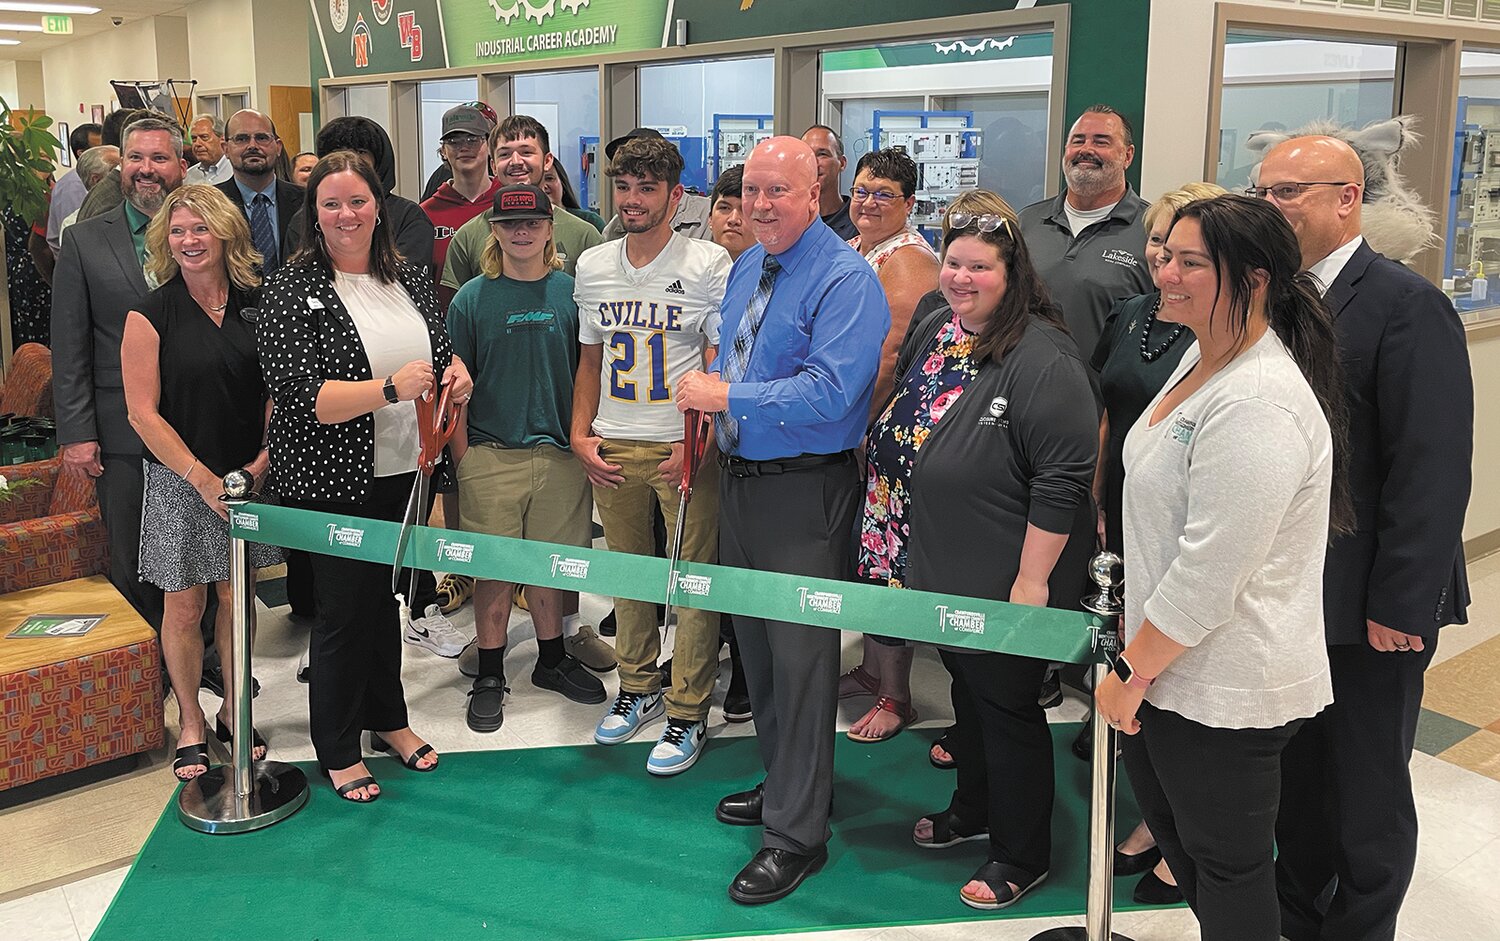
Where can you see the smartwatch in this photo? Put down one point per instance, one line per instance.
(1128, 675)
(390, 390)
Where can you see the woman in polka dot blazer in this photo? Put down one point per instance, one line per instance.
(350, 335)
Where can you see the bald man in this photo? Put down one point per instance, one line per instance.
(1347, 829)
(787, 422)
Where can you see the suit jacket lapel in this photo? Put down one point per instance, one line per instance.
(1346, 285)
(120, 241)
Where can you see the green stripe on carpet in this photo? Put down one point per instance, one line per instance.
(579, 842)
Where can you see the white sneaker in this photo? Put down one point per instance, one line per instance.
(436, 633)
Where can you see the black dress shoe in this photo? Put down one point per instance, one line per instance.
(742, 809)
(1083, 747)
(737, 705)
(607, 626)
(773, 874)
(1152, 890)
(1127, 864)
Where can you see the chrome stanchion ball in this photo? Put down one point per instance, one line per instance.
(238, 484)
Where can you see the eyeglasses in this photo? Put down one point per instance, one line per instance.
(1286, 192)
(882, 199)
(243, 139)
(463, 140)
(987, 222)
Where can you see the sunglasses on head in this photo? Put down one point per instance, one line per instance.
(987, 222)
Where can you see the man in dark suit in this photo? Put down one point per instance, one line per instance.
(1347, 829)
(99, 280)
(269, 203)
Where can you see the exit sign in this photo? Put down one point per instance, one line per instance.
(57, 24)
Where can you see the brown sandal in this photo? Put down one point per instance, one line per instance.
(900, 710)
(868, 685)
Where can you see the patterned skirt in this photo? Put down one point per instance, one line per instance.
(183, 542)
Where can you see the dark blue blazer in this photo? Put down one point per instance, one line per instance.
(1411, 441)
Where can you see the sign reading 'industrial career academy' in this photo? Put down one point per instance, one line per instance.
(378, 36)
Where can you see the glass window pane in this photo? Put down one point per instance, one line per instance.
(1472, 246)
(684, 99)
(371, 101)
(1282, 83)
(997, 88)
(567, 105)
(433, 98)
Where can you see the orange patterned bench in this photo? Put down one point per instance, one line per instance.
(71, 702)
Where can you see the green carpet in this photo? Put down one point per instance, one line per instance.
(579, 842)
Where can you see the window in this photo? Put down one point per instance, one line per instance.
(371, 101)
(1471, 260)
(1278, 82)
(434, 98)
(995, 89)
(567, 105)
(686, 101)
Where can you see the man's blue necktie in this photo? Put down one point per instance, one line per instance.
(737, 356)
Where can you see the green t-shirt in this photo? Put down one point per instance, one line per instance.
(571, 234)
(520, 342)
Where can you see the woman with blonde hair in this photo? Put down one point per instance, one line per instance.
(195, 395)
(517, 477)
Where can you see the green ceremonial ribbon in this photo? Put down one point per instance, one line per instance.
(926, 617)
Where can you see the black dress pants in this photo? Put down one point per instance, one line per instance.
(1348, 821)
(121, 489)
(354, 667)
(1210, 796)
(1003, 748)
(800, 522)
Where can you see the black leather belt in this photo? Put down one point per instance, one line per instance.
(739, 467)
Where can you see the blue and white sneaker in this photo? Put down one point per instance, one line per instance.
(680, 745)
(626, 716)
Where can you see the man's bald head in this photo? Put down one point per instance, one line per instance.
(1326, 214)
(780, 192)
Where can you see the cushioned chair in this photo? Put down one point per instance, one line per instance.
(28, 385)
(51, 532)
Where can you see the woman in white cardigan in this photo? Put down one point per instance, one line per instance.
(1233, 480)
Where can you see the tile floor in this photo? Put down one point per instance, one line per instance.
(1456, 772)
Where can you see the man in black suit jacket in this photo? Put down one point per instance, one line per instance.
(252, 146)
(98, 281)
(1347, 829)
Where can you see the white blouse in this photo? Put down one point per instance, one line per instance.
(394, 334)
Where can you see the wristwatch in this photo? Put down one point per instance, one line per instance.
(1129, 676)
(390, 390)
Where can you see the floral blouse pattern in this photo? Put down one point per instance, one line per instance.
(926, 394)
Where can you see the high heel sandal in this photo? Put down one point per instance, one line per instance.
(256, 741)
(411, 761)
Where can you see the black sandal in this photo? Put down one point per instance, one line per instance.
(942, 743)
(345, 790)
(224, 735)
(999, 876)
(948, 829)
(379, 744)
(190, 756)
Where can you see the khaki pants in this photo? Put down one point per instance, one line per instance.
(626, 514)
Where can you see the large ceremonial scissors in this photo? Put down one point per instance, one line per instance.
(437, 418)
(696, 426)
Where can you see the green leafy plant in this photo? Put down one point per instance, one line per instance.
(26, 149)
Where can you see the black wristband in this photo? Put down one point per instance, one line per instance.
(389, 390)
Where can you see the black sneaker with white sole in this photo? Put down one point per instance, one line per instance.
(571, 678)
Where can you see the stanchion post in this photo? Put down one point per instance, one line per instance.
(1107, 571)
(245, 794)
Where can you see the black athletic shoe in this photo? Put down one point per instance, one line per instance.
(737, 705)
(607, 625)
(486, 711)
(571, 678)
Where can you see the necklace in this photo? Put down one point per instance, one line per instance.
(1147, 354)
(210, 307)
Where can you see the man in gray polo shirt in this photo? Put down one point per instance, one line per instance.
(1088, 243)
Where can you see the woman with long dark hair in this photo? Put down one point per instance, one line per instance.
(989, 439)
(350, 336)
(1234, 480)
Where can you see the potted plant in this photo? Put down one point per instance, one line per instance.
(26, 149)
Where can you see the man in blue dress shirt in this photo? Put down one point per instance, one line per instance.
(804, 319)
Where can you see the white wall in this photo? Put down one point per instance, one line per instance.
(79, 72)
(21, 85)
(221, 42)
(280, 47)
